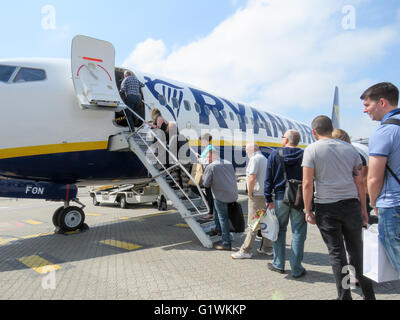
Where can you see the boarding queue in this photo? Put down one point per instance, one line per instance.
(329, 178)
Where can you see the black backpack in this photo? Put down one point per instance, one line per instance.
(293, 188)
(236, 217)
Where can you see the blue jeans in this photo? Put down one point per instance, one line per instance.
(221, 219)
(299, 233)
(389, 234)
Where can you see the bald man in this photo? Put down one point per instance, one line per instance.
(255, 172)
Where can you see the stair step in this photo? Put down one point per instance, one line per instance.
(192, 210)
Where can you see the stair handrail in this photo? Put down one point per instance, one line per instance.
(171, 156)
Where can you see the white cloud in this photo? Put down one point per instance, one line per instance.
(278, 55)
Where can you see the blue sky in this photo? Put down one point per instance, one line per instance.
(284, 56)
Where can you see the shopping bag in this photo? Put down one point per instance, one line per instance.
(254, 223)
(270, 225)
(197, 174)
(376, 265)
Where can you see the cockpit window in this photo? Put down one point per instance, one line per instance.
(29, 75)
(6, 72)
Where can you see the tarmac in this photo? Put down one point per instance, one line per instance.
(140, 253)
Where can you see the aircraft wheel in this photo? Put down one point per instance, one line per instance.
(71, 219)
(56, 216)
(122, 202)
(162, 203)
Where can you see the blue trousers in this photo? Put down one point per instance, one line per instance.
(221, 219)
(299, 232)
(389, 234)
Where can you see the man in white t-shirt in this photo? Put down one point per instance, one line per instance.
(255, 173)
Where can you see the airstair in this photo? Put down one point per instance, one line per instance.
(192, 207)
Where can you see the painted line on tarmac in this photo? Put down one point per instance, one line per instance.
(121, 244)
(33, 222)
(39, 264)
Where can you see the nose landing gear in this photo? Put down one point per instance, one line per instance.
(69, 218)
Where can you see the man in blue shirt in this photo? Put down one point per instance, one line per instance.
(380, 102)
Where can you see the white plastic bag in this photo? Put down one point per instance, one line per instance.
(376, 265)
(270, 225)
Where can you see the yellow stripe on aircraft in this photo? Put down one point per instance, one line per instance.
(223, 143)
(103, 145)
(52, 149)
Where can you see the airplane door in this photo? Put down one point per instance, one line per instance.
(93, 65)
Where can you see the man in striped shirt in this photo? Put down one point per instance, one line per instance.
(130, 87)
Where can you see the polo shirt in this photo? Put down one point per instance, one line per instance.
(385, 142)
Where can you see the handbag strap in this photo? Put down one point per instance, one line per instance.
(393, 174)
(282, 164)
(397, 123)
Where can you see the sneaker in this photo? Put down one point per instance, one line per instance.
(269, 252)
(241, 255)
(300, 275)
(221, 247)
(213, 233)
(272, 268)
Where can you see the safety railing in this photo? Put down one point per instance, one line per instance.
(171, 156)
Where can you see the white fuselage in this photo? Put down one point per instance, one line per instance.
(46, 135)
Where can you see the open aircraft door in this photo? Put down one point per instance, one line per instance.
(93, 74)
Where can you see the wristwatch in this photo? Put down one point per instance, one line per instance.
(307, 211)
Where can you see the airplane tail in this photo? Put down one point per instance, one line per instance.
(336, 109)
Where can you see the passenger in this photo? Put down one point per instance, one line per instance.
(220, 177)
(206, 143)
(255, 172)
(130, 88)
(339, 201)
(167, 128)
(381, 104)
(276, 182)
(342, 135)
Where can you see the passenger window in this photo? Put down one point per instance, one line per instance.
(216, 113)
(29, 75)
(223, 114)
(187, 105)
(197, 107)
(246, 119)
(6, 72)
(207, 108)
(231, 116)
(252, 121)
(161, 100)
(175, 103)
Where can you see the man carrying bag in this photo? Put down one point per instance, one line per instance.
(284, 169)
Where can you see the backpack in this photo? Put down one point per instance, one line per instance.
(293, 195)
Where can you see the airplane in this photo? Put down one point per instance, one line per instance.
(360, 144)
(59, 117)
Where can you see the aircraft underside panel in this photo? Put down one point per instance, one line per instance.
(25, 189)
(74, 167)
